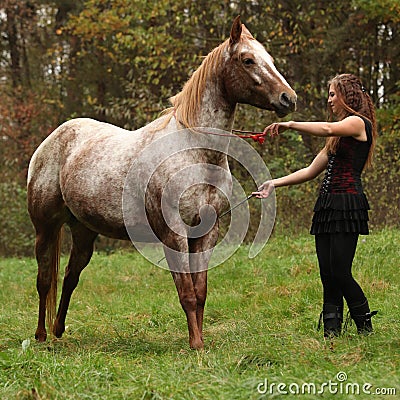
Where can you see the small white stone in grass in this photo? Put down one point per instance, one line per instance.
(25, 344)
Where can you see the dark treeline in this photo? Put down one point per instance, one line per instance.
(119, 61)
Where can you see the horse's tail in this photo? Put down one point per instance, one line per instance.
(51, 300)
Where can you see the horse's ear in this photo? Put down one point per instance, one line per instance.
(245, 31)
(236, 31)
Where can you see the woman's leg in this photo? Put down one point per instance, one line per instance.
(331, 292)
(332, 312)
(343, 248)
(342, 254)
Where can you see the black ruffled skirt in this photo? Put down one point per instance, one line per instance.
(340, 212)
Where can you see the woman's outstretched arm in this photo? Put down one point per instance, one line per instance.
(302, 175)
(350, 126)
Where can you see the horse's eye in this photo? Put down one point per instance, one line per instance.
(248, 61)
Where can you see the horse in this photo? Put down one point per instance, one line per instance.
(77, 175)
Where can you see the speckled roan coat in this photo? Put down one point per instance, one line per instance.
(78, 173)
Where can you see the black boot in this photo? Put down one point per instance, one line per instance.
(332, 317)
(361, 315)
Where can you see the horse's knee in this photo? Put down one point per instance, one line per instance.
(201, 299)
(188, 302)
(200, 287)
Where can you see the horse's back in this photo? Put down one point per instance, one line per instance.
(81, 167)
(49, 162)
(69, 138)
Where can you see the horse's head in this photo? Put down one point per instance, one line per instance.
(251, 76)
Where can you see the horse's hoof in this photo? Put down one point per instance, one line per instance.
(197, 345)
(40, 336)
(58, 330)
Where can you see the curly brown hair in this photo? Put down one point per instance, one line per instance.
(354, 100)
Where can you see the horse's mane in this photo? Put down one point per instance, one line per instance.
(186, 104)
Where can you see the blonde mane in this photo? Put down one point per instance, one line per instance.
(186, 104)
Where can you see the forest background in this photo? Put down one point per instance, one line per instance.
(119, 61)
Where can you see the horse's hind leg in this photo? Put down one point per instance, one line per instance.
(81, 253)
(47, 254)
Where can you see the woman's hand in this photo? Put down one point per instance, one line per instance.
(276, 128)
(264, 190)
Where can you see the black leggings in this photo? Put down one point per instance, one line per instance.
(335, 252)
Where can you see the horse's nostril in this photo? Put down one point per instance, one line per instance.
(285, 99)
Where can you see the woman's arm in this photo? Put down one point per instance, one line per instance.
(302, 175)
(350, 126)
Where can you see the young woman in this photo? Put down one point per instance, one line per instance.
(341, 210)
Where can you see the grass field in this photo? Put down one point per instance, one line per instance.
(126, 333)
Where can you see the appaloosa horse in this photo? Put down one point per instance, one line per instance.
(77, 175)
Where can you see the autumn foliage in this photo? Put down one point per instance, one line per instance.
(119, 61)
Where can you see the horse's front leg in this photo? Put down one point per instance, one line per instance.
(178, 262)
(187, 298)
(199, 280)
(200, 254)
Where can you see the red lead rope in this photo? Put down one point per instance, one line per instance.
(256, 136)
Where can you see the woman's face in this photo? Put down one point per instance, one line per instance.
(333, 100)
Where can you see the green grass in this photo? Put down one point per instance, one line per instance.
(126, 334)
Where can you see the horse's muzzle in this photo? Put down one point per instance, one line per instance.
(287, 104)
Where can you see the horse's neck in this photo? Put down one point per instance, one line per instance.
(215, 110)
